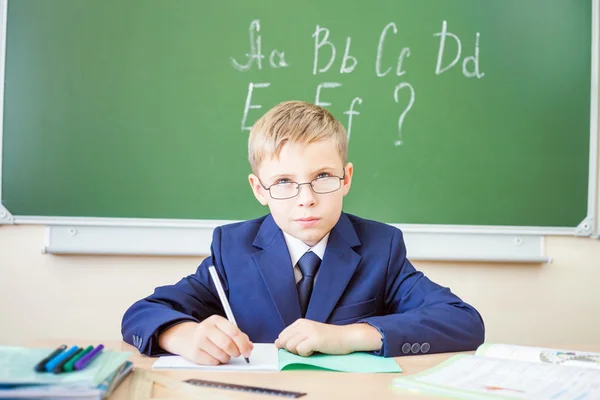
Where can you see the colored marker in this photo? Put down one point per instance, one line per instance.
(85, 360)
(41, 366)
(60, 358)
(61, 365)
(70, 365)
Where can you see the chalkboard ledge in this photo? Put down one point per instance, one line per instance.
(99, 236)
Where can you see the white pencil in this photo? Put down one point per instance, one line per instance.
(222, 297)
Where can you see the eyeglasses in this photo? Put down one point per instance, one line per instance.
(288, 190)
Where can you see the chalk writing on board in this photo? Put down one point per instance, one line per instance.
(351, 113)
(276, 59)
(347, 69)
(324, 58)
(475, 59)
(249, 106)
(349, 62)
(405, 52)
(320, 42)
(325, 85)
(380, 46)
(400, 86)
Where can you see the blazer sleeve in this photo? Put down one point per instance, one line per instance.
(194, 298)
(422, 316)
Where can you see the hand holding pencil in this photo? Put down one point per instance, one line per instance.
(213, 341)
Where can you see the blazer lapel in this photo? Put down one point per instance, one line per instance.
(275, 266)
(336, 270)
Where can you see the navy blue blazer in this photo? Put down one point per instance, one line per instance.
(364, 277)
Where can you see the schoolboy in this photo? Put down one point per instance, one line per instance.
(307, 276)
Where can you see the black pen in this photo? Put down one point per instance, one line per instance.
(41, 366)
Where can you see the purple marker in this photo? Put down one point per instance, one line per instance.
(85, 360)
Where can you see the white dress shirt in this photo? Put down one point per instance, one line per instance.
(297, 248)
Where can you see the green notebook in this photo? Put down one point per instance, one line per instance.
(354, 362)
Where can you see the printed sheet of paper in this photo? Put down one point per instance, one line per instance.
(474, 377)
(541, 355)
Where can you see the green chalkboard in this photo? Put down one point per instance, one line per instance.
(136, 108)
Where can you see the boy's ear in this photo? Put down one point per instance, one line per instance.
(257, 189)
(349, 169)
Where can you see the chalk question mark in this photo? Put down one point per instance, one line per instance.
(402, 85)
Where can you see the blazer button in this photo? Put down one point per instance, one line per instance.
(415, 348)
(425, 347)
(406, 348)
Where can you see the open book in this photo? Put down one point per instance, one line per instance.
(500, 371)
(266, 357)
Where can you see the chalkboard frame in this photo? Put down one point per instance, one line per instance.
(72, 235)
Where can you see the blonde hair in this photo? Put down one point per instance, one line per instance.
(295, 122)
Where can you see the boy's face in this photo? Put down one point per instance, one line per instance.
(309, 216)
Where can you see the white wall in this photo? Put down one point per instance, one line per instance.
(84, 297)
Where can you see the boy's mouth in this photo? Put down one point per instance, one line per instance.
(307, 222)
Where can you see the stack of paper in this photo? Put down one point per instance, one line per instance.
(18, 378)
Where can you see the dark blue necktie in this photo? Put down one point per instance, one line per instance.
(308, 264)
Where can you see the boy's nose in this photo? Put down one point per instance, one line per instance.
(306, 196)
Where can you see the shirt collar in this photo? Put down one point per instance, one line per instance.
(297, 247)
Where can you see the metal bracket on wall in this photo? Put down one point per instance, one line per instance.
(5, 216)
(585, 227)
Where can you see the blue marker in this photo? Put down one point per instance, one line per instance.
(50, 365)
(41, 366)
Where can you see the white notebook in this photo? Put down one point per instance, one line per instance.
(263, 358)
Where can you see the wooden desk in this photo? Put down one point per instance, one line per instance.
(317, 384)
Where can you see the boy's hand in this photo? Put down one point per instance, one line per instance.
(211, 342)
(304, 337)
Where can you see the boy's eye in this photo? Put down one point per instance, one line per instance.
(323, 175)
(282, 181)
